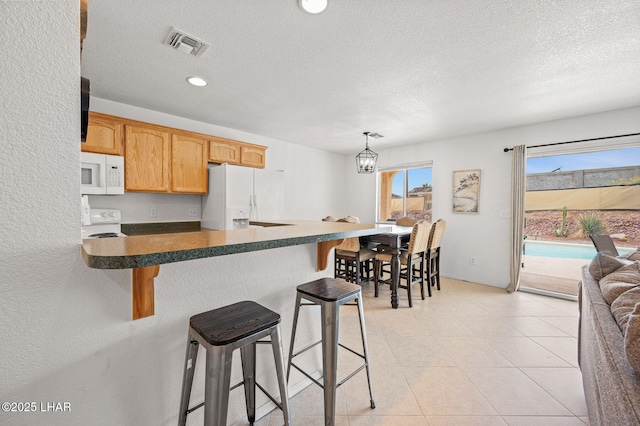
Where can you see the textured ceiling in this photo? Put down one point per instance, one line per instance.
(412, 70)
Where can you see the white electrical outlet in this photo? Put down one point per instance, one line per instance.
(153, 212)
(193, 211)
(472, 260)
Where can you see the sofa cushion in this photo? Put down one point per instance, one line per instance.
(603, 264)
(620, 281)
(634, 255)
(624, 305)
(632, 338)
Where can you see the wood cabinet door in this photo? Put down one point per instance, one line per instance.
(146, 159)
(188, 164)
(104, 135)
(252, 156)
(224, 151)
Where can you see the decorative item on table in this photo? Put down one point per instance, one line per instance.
(466, 191)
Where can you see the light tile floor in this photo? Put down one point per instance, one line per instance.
(469, 355)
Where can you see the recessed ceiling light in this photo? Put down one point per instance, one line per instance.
(197, 81)
(313, 6)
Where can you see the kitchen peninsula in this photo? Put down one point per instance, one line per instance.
(145, 253)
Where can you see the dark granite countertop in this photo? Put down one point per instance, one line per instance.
(138, 251)
(131, 229)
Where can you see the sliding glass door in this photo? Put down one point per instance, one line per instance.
(568, 198)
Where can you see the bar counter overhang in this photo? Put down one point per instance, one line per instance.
(145, 253)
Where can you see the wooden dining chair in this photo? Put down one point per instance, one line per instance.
(432, 255)
(604, 244)
(412, 259)
(353, 262)
(405, 221)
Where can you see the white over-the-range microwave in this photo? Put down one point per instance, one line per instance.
(102, 174)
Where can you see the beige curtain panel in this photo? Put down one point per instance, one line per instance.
(518, 190)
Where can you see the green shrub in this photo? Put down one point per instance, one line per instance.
(590, 224)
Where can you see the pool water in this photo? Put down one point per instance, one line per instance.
(564, 250)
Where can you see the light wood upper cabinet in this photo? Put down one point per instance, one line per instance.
(224, 151)
(252, 156)
(188, 164)
(146, 159)
(104, 135)
(163, 159)
(234, 152)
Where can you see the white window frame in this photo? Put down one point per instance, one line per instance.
(405, 167)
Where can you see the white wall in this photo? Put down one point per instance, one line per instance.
(485, 235)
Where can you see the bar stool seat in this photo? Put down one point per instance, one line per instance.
(330, 294)
(231, 323)
(221, 331)
(329, 290)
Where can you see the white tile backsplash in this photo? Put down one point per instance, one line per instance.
(135, 207)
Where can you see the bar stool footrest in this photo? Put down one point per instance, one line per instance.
(308, 376)
(191, 410)
(278, 404)
(306, 349)
(237, 385)
(351, 350)
(356, 371)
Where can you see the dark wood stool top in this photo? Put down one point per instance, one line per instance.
(231, 323)
(329, 289)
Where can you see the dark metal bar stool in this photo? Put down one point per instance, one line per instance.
(221, 331)
(330, 294)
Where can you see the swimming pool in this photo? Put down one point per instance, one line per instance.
(564, 250)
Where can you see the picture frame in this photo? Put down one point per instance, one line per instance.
(466, 191)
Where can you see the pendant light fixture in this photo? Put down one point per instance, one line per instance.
(366, 160)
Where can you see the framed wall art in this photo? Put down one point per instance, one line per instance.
(466, 191)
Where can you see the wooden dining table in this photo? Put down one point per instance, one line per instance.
(391, 242)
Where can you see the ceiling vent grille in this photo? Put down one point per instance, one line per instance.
(185, 43)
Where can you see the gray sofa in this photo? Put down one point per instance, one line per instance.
(611, 384)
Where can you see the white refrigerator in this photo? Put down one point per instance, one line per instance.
(237, 192)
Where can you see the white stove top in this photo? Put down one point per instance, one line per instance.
(104, 223)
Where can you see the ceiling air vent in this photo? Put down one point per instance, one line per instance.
(185, 43)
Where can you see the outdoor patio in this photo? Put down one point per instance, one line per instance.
(552, 274)
(561, 275)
